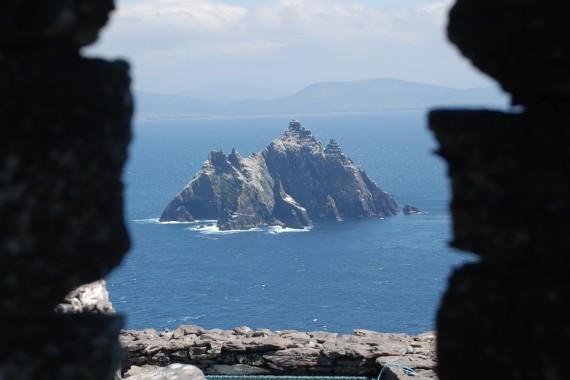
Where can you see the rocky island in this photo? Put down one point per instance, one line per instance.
(293, 182)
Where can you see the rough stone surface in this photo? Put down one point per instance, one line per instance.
(90, 298)
(505, 316)
(64, 131)
(510, 200)
(172, 372)
(411, 210)
(60, 347)
(278, 352)
(63, 142)
(510, 298)
(30, 23)
(294, 181)
(524, 44)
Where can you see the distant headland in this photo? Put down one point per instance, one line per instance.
(293, 182)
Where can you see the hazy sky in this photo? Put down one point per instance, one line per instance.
(175, 45)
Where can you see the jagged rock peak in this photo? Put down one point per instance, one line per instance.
(297, 129)
(291, 183)
(216, 156)
(297, 137)
(235, 159)
(333, 149)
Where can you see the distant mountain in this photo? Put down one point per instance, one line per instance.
(232, 92)
(326, 97)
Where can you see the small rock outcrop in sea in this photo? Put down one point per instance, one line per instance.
(293, 182)
(411, 210)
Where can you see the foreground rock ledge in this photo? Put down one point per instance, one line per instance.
(243, 351)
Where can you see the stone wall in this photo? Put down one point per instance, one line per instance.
(64, 130)
(510, 175)
(243, 351)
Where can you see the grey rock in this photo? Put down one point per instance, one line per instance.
(294, 181)
(323, 336)
(172, 372)
(281, 352)
(237, 370)
(90, 298)
(411, 210)
(191, 330)
(262, 332)
(294, 358)
(263, 344)
(411, 361)
(400, 374)
(243, 330)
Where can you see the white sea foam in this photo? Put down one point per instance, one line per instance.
(157, 221)
(209, 227)
(281, 230)
(213, 229)
(147, 221)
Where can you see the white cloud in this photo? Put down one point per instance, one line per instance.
(244, 43)
(208, 25)
(200, 16)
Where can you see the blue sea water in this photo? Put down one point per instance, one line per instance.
(386, 275)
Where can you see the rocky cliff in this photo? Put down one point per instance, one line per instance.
(294, 181)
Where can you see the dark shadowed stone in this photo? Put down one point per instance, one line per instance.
(237, 370)
(508, 316)
(524, 44)
(30, 23)
(396, 373)
(509, 199)
(66, 347)
(64, 130)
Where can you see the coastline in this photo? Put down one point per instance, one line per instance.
(243, 351)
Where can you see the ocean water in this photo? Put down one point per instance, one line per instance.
(386, 275)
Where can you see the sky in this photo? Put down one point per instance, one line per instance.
(283, 45)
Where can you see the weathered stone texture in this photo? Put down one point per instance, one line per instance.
(64, 130)
(510, 197)
(32, 23)
(240, 352)
(172, 372)
(524, 44)
(504, 317)
(90, 298)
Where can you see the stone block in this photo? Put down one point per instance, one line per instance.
(63, 347)
(26, 23)
(509, 197)
(508, 321)
(64, 131)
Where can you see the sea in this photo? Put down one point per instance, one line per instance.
(379, 274)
